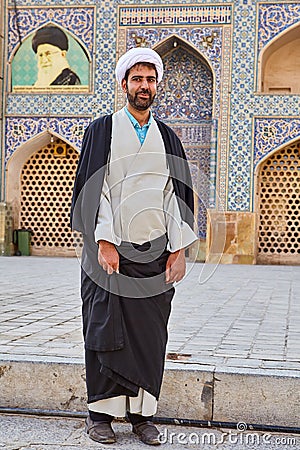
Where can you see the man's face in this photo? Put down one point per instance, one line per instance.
(140, 87)
(49, 55)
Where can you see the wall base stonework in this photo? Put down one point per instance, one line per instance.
(6, 230)
(231, 237)
(197, 251)
(2, 227)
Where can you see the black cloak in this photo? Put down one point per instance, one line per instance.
(125, 337)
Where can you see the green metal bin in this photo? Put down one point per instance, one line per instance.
(21, 238)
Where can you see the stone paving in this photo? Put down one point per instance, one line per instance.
(44, 433)
(226, 316)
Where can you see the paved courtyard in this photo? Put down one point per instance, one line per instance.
(235, 316)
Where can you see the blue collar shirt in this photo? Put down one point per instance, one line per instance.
(140, 131)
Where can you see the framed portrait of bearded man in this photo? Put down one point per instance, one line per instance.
(51, 59)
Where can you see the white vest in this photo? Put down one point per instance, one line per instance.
(136, 177)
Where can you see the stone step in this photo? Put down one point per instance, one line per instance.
(189, 391)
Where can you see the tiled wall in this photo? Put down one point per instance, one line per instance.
(249, 125)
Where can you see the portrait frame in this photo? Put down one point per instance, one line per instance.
(24, 67)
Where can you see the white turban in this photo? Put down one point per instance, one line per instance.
(139, 55)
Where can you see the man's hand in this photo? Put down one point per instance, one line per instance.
(175, 267)
(108, 257)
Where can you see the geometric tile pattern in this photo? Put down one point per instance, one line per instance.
(279, 226)
(21, 129)
(45, 199)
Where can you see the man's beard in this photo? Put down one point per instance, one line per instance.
(138, 103)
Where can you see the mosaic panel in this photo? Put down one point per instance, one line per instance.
(188, 95)
(218, 55)
(274, 18)
(199, 163)
(194, 134)
(271, 133)
(195, 36)
(20, 129)
(185, 103)
(201, 185)
(79, 21)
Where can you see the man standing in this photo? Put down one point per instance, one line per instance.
(133, 202)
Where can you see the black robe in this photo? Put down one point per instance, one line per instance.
(66, 77)
(125, 334)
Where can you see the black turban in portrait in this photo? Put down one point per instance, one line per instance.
(50, 35)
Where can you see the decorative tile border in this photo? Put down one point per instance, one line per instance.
(220, 159)
(52, 105)
(168, 15)
(238, 183)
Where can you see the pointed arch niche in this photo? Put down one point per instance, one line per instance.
(40, 176)
(185, 103)
(280, 64)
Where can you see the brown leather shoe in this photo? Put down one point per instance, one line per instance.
(147, 432)
(101, 432)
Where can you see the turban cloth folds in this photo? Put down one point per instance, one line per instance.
(136, 56)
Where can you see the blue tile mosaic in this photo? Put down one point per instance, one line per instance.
(247, 125)
(274, 18)
(21, 129)
(273, 133)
